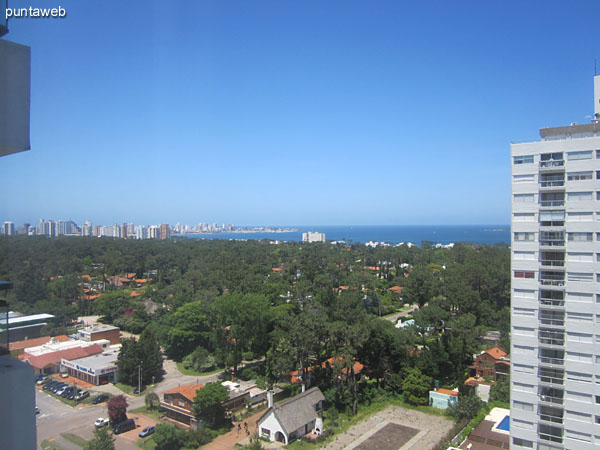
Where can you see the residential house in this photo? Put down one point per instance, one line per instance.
(178, 403)
(293, 418)
(492, 363)
(442, 398)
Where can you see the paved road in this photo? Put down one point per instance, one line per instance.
(57, 417)
(395, 317)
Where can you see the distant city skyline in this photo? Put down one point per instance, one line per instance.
(393, 113)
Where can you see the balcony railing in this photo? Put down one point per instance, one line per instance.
(553, 223)
(552, 242)
(551, 302)
(551, 184)
(552, 282)
(552, 203)
(553, 361)
(549, 164)
(552, 262)
(551, 380)
(550, 341)
(549, 418)
(550, 437)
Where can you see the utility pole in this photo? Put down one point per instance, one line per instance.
(140, 377)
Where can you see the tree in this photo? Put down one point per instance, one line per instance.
(416, 387)
(500, 391)
(208, 403)
(117, 409)
(467, 407)
(150, 354)
(420, 287)
(151, 399)
(102, 440)
(165, 437)
(128, 361)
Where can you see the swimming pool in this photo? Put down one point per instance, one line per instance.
(504, 424)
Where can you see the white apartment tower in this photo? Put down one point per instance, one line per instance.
(555, 317)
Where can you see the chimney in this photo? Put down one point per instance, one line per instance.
(269, 399)
(597, 98)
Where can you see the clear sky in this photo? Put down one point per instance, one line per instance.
(291, 112)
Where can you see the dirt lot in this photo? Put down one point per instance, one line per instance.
(432, 429)
(391, 437)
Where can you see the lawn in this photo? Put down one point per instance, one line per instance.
(45, 445)
(77, 440)
(129, 389)
(195, 373)
(146, 443)
(154, 413)
(345, 421)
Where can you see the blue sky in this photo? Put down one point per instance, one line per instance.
(291, 112)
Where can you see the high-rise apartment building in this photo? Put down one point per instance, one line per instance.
(8, 228)
(555, 317)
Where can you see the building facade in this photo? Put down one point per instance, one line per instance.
(555, 298)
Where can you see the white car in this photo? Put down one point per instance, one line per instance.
(101, 422)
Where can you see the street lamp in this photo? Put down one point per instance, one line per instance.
(140, 377)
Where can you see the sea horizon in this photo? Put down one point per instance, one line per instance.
(393, 234)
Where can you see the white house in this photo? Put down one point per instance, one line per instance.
(293, 418)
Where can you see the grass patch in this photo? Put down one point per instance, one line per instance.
(345, 421)
(129, 389)
(77, 440)
(154, 413)
(194, 373)
(146, 443)
(46, 445)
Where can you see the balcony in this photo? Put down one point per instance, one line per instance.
(552, 303)
(551, 395)
(552, 361)
(552, 418)
(547, 166)
(552, 263)
(552, 203)
(552, 282)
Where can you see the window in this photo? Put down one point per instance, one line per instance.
(524, 236)
(579, 357)
(581, 377)
(578, 396)
(522, 274)
(524, 312)
(530, 256)
(522, 405)
(579, 176)
(583, 338)
(522, 368)
(522, 442)
(579, 317)
(524, 387)
(523, 348)
(580, 257)
(522, 331)
(580, 236)
(523, 178)
(578, 156)
(579, 196)
(576, 415)
(583, 297)
(523, 159)
(580, 276)
(524, 217)
(572, 434)
(580, 216)
(524, 293)
(525, 198)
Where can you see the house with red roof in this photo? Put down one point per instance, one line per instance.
(493, 363)
(178, 403)
(50, 362)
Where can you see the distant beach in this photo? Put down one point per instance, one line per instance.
(393, 234)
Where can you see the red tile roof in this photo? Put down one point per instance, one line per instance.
(294, 376)
(495, 352)
(396, 289)
(36, 342)
(277, 269)
(188, 391)
(42, 361)
(446, 391)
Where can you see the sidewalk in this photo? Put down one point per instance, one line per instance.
(229, 440)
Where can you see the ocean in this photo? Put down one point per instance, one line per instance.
(442, 234)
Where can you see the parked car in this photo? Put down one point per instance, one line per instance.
(41, 381)
(48, 385)
(58, 387)
(68, 391)
(137, 390)
(147, 431)
(73, 393)
(124, 426)
(101, 422)
(64, 375)
(37, 410)
(82, 395)
(61, 390)
(101, 398)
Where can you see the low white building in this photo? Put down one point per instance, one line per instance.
(293, 418)
(313, 236)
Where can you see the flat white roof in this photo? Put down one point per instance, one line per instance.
(22, 319)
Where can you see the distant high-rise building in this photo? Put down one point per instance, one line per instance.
(313, 236)
(555, 298)
(164, 231)
(8, 228)
(124, 230)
